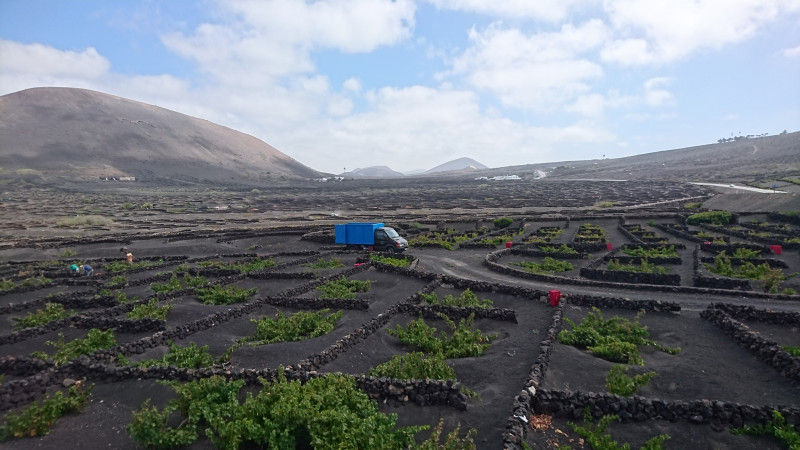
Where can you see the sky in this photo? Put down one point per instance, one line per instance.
(346, 84)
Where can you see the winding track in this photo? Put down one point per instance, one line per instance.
(468, 264)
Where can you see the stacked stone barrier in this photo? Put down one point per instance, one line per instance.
(491, 259)
(763, 349)
(524, 403)
(793, 219)
(780, 240)
(621, 276)
(318, 303)
(638, 409)
(455, 313)
(702, 280)
(747, 312)
(534, 252)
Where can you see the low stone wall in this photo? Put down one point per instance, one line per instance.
(704, 280)
(625, 259)
(621, 276)
(433, 312)
(317, 304)
(764, 350)
(638, 409)
(534, 252)
(772, 262)
(780, 240)
(19, 392)
(742, 312)
(491, 259)
(516, 427)
(623, 303)
(682, 232)
(784, 218)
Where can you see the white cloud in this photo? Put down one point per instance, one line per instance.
(664, 31)
(539, 71)
(352, 85)
(793, 52)
(594, 106)
(419, 127)
(261, 41)
(42, 61)
(550, 10)
(655, 94)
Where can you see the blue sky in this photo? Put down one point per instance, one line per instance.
(410, 84)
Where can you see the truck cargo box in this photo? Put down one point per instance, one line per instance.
(356, 233)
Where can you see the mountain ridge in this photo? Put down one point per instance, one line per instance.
(83, 134)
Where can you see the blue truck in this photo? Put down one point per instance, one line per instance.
(375, 236)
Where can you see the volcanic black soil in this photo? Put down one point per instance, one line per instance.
(179, 229)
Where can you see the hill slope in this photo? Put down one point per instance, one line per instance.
(457, 164)
(79, 134)
(763, 158)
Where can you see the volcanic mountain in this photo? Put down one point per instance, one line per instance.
(78, 134)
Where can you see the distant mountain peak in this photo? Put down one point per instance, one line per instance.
(460, 164)
(373, 172)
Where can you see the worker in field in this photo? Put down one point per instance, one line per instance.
(74, 268)
(85, 269)
(129, 257)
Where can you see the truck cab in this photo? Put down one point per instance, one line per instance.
(387, 239)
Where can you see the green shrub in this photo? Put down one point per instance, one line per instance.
(323, 263)
(745, 253)
(7, 285)
(503, 222)
(432, 238)
(37, 281)
(36, 419)
(547, 266)
(172, 285)
(467, 299)
(125, 266)
(191, 357)
(219, 295)
(643, 267)
(149, 310)
(324, 412)
(618, 382)
(792, 350)
(243, 267)
(51, 312)
(564, 248)
(343, 288)
(606, 204)
(96, 339)
(695, 205)
(616, 339)
(597, 438)
(397, 262)
(150, 429)
(655, 252)
(713, 217)
(90, 220)
(777, 427)
(416, 365)
(464, 341)
(299, 326)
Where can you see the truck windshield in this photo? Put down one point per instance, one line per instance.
(391, 233)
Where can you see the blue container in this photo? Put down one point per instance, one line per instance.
(356, 233)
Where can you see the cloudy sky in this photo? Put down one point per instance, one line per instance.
(412, 84)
